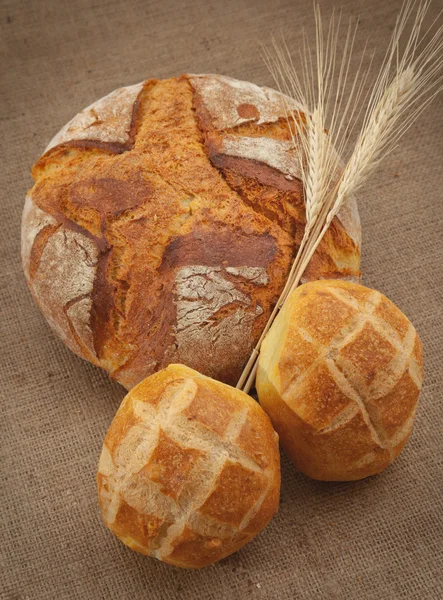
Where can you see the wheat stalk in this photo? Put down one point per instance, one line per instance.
(318, 161)
(407, 82)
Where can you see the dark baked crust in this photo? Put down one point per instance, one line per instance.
(176, 204)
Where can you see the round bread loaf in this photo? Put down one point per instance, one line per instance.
(163, 222)
(339, 373)
(190, 469)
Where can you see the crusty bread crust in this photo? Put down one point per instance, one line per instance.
(107, 120)
(167, 216)
(190, 469)
(339, 375)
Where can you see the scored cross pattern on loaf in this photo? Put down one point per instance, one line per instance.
(153, 189)
(370, 366)
(181, 468)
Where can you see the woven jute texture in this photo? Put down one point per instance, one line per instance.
(381, 538)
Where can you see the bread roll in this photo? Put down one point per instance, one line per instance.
(190, 469)
(163, 222)
(339, 373)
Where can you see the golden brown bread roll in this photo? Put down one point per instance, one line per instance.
(339, 373)
(163, 222)
(190, 469)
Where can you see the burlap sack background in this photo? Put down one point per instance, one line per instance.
(376, 539)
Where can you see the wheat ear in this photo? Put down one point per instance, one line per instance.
(407, 82)
(319, 163)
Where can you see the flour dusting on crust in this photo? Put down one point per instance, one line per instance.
(230, 102)
(70, 258)
(202, 291)
(278, 154)
(33, 221)
(350, 219)
(257, 275)
(106, 120)
(79, 315)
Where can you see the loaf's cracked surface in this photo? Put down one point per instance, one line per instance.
(162, 225)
